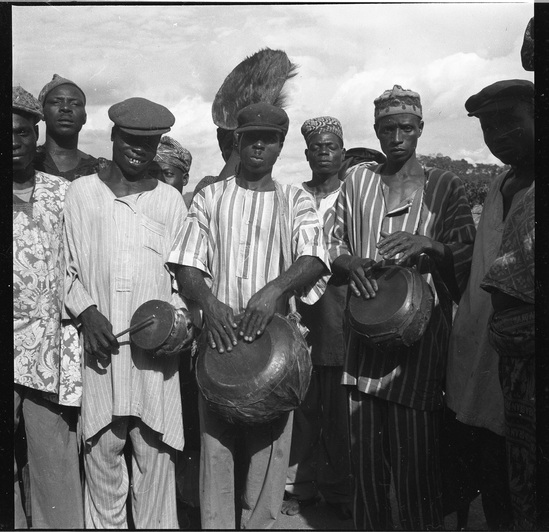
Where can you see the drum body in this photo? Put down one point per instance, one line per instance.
(256, 382)
(169, 330)
(400, 312)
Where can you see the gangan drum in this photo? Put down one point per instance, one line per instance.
(256, 382)
(400, 312)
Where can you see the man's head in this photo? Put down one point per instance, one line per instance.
(398, 123)
(260, 133)
(506, 113)
(64, 104)
(324, 138)
(174, 161)
(138, 127)
(26, 113)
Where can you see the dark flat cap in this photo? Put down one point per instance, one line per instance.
(500, 95)
(262, 117)
(25, 102)
(139, 116)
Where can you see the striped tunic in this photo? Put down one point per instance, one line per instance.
(409, 376)
(232, 235)
(118, 252)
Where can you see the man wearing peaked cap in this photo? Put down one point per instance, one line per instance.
(505, 110)
(121, 225)
(47, 380)
(218, 239)
(64, 105)
(403, 213)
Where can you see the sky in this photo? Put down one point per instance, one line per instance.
(347, 55)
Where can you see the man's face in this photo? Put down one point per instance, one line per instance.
(398, 135)
(325, 153)
(259, 150)
(173, 176)
(509, 133)
(133, 153)
(64, 110)
(24, 136)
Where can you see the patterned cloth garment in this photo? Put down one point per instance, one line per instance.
(46, 352)
(409, 376)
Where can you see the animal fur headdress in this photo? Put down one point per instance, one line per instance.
(259, 78)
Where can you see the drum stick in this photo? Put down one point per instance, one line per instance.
(136, 326)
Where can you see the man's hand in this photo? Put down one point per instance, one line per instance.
(259, 312)
(221, 325)
(361, 281)
(409, 245)
(98, 337)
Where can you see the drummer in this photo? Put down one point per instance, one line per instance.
(120, 227)
(400, 211)
(232, 240)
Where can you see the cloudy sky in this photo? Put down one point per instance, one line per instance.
(179, 55)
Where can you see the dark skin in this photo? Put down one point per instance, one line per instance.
(64, 114)
(128, 174)
(325, 154)
(403, 175)
(509, 134)
(258, 153)
(24, 138)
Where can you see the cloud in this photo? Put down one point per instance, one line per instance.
(179, 55)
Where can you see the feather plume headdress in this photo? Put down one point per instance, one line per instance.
(259, 78)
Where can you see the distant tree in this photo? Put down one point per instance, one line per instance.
(476, 178)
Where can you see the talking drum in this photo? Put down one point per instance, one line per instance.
(400, 312)
(256, 382)
(158, 327)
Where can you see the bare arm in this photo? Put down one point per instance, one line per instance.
(218, 317)
(359, 271)
(262, 305)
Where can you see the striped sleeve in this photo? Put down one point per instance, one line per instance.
(335, 223)
(458, 232)
(77, 299)
(307, 240)
(192, 249)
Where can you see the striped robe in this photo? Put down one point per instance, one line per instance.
(118, 251)
(410, 376)
(232, 235)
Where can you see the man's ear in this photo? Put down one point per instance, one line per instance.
(112, 133)
(375, 129)
(36, 131)
(307, 154)
(421, 124)
(85, 118)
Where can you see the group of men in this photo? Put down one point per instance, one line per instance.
(87, 254)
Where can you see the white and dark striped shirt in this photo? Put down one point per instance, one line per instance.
(118, 251)
(413, 376)
(232, 235)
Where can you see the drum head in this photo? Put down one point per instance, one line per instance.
(390, 298)
(241, 365)
(153, 335)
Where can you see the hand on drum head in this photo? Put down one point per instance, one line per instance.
(259, 312)
(99, 339)
(361, 281)
(408, 245)
(221, 325)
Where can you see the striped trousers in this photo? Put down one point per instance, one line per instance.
(107, 479)
(386, 438)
